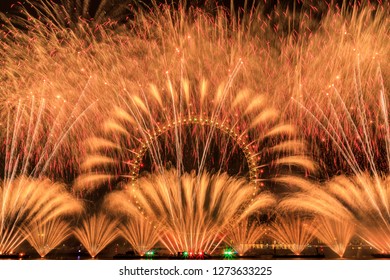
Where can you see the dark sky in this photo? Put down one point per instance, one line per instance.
(5, 4)
(316, 8)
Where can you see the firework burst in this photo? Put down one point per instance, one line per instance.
(336, 234)
(191, 129)
(294, 231)
(44, 237)
(24, 202)
(361, 200)
(192, 212)
(367, 198)
(33, 141)
(244, 235)
(96, 232)
(141, 233)
(70, 73)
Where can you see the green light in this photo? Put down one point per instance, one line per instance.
(228, 253)
(185, 254)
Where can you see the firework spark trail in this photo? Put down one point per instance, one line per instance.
(258, 128)
(342, 144)
(64, 46)
(96, 232)
(345, 199)
(27, 148)
(336, 234)
(339, 132)
(45, 236)
(67, 126)
(363, 118)
(140, 233)
(217, 112)
(64, 135)
(32, 134)
(385, 115)
(193, 216)
(25, 201)
(244, 235)
(202, 46)
(294, 231)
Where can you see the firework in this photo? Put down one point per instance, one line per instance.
(25, 202)
(96, 232)
(362, 200)
(357, 135)
(44, 237)
(244, 235)
(334, 222)
(191, 129)
(140, 233)
(78, 73)
(70, 73)
(192, 211)
(313, 198)
(336, 234)
(367, 198)
(97, 62)
(293, 231)
(338, 103)
(33, 141)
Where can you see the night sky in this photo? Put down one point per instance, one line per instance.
(5, 5)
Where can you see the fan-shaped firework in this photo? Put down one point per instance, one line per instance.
(189, 126)
(96, 232)
(333, 221)
(192, 211)
(68, 67)
(142, 234)
(45, 236)
(244, 235)
(313, 198)
(336, 234)
(368, 199)
(362, 200)
(24, 202)
(293, 231)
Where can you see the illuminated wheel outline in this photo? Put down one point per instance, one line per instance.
(248, 152)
